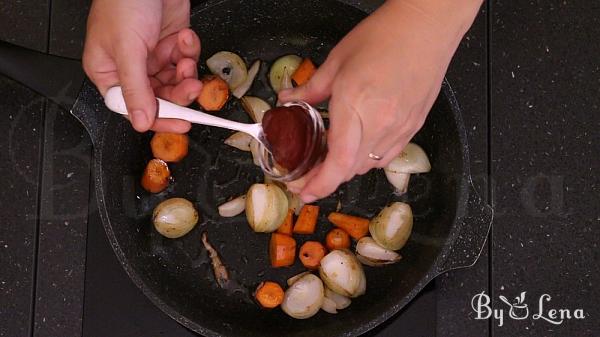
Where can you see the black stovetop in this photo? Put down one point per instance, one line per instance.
(527, 78)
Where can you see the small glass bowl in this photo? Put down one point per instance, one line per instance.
(317, 151)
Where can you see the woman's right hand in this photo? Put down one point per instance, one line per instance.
(382, 79)
(148, 49)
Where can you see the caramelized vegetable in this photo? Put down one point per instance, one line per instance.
(156, 176)
(282, 250)
(266, 207)
(287, 63)
(304, 72)
(286, 226)
(175, 217)
(214, 93)
(357, 227)
(170, 147)
(311, 254)
(269, 295)
(307, 220)
(304, 298)
(337, 238)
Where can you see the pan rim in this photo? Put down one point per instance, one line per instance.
(432, 272)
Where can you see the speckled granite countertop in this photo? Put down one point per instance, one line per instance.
(527, 77)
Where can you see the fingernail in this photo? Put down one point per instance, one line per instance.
(308, 198)
(192, 96)
(139, 119)
(187, 40)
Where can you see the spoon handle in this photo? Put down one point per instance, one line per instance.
(114, 101)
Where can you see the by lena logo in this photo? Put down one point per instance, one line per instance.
(519, 310)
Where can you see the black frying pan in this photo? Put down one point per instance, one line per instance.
(451, 221)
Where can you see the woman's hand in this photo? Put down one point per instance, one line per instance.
(382, 80)
(148, 49)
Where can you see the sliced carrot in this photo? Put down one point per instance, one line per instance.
(337, 238)
(304, 72)
(307, 220)
(311, 254)
(156, 176)
(214, 93)
(282, 250)
(269, 294)
(170, 147)
(356, 226)
(288, 222)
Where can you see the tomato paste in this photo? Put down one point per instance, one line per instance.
(290, 133)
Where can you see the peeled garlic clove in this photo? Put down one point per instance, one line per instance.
(270, 180)
(279, 67)
(398, 180)
(412, 159)
(286, 80)
(255, 150)
(341, 302)
(239, 140)
(243, 88)
(391, 228)
(174, 217)
(228, 66)
(255, 107)
(362, 286)
(266, 207)
(370, 253)
(233, 207)
(304, 298)
(295, 278)
(296, 203)
(342, 272)
(329, 306)
(286, 83)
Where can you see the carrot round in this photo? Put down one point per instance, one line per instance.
(170, 147)
(282, 250)
(311, 254)
(307, 220)
(337, 239)
(269, 295)
(156, 176)
(356, 226)
(304, 72)
(286, 226)
(214, 93)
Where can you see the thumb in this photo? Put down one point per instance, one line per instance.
(137, 91)
(317, 89)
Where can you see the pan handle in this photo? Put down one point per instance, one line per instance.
(57, 78)
(91, 112)
(469, 242)
(60, 80)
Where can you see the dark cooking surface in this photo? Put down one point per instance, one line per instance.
(544, 88)
(174, 274)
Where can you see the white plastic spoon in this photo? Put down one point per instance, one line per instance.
(115, 102)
